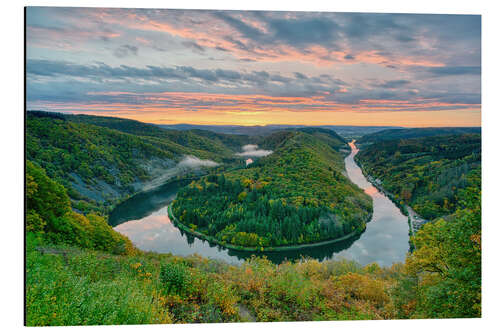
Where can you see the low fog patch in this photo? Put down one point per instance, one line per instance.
(195, 162)
(252, 150)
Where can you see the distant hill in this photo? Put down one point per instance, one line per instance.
(193, 139)
(355, 132)
(348, 132)
(232, 141)
(328, 136)
(227, 129)
(409, 133)
(274, 140)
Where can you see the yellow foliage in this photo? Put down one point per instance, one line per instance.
(242, 196)
(363, 287)
(313, 269)
(136, 265)
(246, 182)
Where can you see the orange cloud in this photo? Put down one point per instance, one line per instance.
(205, 108)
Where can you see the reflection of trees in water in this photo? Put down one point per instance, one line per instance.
(321, 253)
(145, 203)
(190, 238)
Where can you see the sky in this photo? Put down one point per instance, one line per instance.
(255, 67)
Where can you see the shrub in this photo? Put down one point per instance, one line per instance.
(223, 298)
(174, 277)
(34, 222)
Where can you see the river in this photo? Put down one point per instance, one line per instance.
(144, 219)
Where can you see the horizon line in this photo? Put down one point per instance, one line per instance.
(193, 124)
(243, 125)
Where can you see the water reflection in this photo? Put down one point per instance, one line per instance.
(371, 190)
(321, 253)
(145, 203)
(384, 241)
(157, 233)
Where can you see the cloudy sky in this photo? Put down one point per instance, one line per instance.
(255, 68)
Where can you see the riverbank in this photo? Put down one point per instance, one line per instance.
(226, 245)
(415, 222)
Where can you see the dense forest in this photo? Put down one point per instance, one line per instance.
(299, 194)
(412, 133)
(101, 160)
(426, 173)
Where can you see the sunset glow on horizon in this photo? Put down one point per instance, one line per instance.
(255, 68)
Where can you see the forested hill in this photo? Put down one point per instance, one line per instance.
(299, 194)
(101, 160)
(327, 136)
(410, 133)
(426, 173)
(222, 144)
(274, 140)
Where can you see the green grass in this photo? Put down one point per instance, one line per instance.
(88, 288)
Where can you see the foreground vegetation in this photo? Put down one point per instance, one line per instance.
(426, 173)
(297, 195)
(69, 283)
(79, 271)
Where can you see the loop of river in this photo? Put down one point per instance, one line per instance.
(144, 220)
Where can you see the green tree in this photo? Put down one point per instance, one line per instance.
(448, 262)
